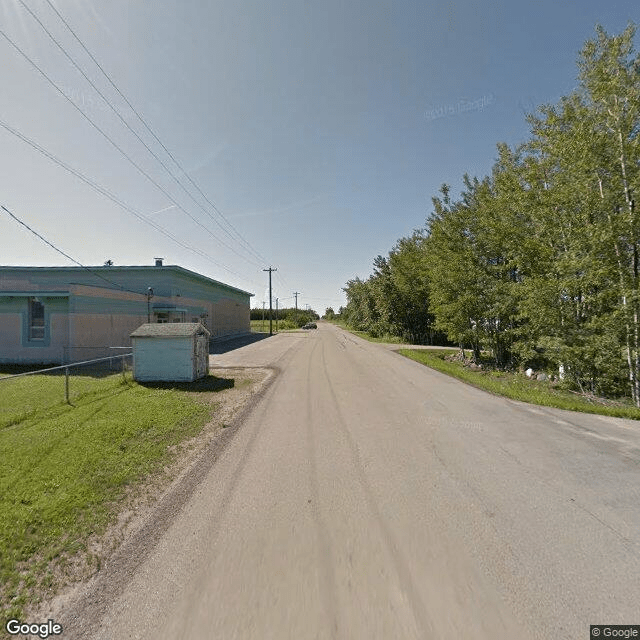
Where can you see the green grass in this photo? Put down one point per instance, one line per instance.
(387, 339)
(518, 387)
(257, 326)
(25, 397)
(65, 467)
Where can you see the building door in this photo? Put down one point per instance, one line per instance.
(202, 356)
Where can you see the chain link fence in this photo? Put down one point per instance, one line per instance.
(25, 392)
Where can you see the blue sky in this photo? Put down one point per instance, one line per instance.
(320, 130)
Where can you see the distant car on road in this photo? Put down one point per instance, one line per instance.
(310, 325)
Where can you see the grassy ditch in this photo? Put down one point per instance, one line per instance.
(257, 326)
(518, 387)
(386, 339)
(66, 468)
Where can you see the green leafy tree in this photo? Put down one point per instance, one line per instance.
(408, 303)
(610, 79)
(538, 263)
(472, 271)
(361, 312)
(581, 302)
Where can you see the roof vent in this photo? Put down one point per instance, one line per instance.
(158, 262)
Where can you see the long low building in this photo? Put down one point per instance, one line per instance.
(67, 314)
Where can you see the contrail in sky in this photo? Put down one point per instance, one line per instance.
(171, 206)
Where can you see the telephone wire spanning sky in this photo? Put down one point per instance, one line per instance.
(313, 135)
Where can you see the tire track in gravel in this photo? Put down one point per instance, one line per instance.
(325, 556)
(407, 584)
(83, 615)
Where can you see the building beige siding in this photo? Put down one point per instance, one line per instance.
(11, 340)
(10, 336)
(86, 319)
(95, 335)
(224, 317)
(229, 318)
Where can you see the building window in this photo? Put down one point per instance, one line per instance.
(36, 319)
(170, 315)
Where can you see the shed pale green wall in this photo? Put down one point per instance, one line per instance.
(171, 359)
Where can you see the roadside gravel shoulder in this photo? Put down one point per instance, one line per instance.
(148, 511)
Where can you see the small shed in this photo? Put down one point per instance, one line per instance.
(175, 352)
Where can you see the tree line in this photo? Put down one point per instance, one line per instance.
(537, 263)
(288, 318)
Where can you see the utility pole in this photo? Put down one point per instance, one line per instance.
(270, 269)
(296, 294)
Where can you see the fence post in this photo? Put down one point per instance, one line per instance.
(66, 384)
(123, 376)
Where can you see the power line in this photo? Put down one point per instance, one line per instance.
(148, 128)
(95, 126)
(282, 281)
(124, 122)
(270, 270)
(108, 194)
(66, 255)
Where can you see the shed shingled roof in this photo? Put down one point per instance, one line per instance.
(169, 330)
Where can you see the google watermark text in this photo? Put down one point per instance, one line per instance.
(461, 106)
(38, 629)
(614, 631)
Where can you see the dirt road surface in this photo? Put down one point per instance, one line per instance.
(367, 496)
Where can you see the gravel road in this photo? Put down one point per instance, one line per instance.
(367, 496)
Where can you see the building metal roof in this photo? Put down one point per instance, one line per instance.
(169, 330)
(113, 270)
(34, 294)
